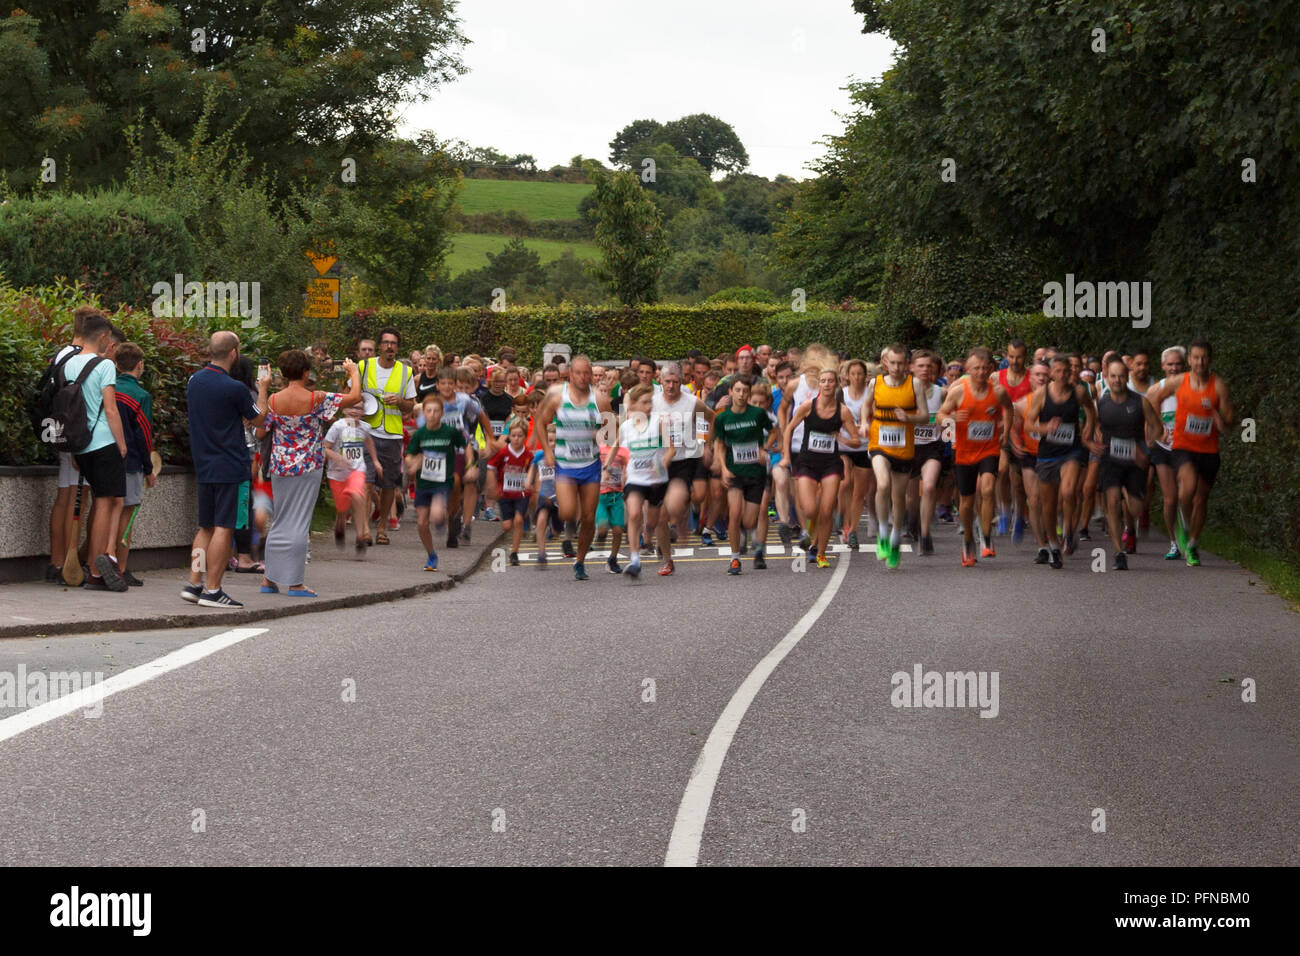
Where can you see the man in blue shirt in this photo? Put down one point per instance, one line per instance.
(218, 408)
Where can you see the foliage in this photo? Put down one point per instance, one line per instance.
(743, 294)
(630, 234)
(860, 332)
(704, 138)
(117, 244)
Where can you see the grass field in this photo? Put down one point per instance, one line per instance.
(535, 200)
(469, 250)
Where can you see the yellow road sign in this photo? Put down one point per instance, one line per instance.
(322, 299)
(323, 264)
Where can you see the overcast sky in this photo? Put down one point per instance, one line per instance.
(559, 77)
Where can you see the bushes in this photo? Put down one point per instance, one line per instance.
(861, 332)
(743, 293)
(116, 244)
(665, 331)
(35, 322)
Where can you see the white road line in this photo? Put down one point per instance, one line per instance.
(693, 813)
(89, 697)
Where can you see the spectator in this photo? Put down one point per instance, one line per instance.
(365, 350)
(61, 513)
(101, 459)
(218, 408)
(296, 420)
(243, 562)
(135, 409)
(393, 385)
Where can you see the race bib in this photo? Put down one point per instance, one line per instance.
(434, 466)
(701, 426)
(1198, 425)
(1122, 449)
(925, 433)
(498, 428)
(545, 472)
(614, 475)
(892, 436)
(1063, 434)
(979, 431)
(353, 451)
(579, 449)
(821, 443)
(451, 417)
(512, 481)
(676, 432)
(745, 453)
(643, 465)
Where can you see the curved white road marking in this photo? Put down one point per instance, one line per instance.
(89, 697)
(693, 813)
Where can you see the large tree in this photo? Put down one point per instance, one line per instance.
(630, 234)
(300, 73)
(704, 138)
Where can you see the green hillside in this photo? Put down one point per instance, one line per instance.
(469, 250)
(535, 200)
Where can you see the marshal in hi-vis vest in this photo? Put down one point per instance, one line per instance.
(387, 418)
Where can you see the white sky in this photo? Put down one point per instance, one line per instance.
(559, 77)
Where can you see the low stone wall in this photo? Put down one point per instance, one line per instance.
(166, 519)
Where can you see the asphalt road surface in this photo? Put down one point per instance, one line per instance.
(524, 718)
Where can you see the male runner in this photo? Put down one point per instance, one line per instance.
(1054, 412)
(742, 433)
(927, 461)
(1173, 361)
(1014, 380)
(688, 478)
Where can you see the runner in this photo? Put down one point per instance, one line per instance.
(1126, 422)
(577, 411)
(688, 476)
(1173, 361)
(927, 461)
(1202, 412)
(1014, 380)
(1054, 412)
(462, 412)
(346, 446)
(429, 459)
(509, 471)
(610, 512)
(646, 437)
(798, 392)
(1024, 445)
(818, 469)
(895, 402)
(858, 477)
(976, 404)
(541, 481)
(741, 434)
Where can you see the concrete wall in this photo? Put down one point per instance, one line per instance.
(166, 520)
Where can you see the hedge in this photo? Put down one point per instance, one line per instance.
(861, 333)
(664, 331)
(117, 245)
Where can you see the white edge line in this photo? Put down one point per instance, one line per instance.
(88, 698)
(693, 813)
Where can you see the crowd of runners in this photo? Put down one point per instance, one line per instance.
(641, 455)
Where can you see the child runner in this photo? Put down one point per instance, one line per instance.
(646, 438)
(609, 510)
(346, 445)
(509, 468)
(542, 482)
(430, 460)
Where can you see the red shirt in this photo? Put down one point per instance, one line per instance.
(512, 469)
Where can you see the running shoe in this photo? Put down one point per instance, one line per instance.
(805, 541)
(132, 580)
(667, 569)
(1018, 530)
(633, 570)
(785, 534)
(1084, 535)
(892, 561)
(602, 538)
(1120, 563)
(1069, 544)
(218, 598)
(107, 569)
(1004, 523)
(945, 513)
(760, 563)
(464, 535)
(853, 541)
(987, 551)
(191, 593)
(1173, 554)
(734, 567)
(1056, 559)
(1181, 534)
(611, 565)
(432, 563)
(1042, 557)
(744, 542)
(579, 572)
(541, 556)
(812, 552)
(882, 548)
(567, 547)
(1129, 541)
(490, 515)
(822, 562)
(706, 539)
(1193, 556)
(393, 524)
(967, 559)
(927, 545)
(514, 559)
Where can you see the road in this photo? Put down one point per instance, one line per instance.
(510, 721)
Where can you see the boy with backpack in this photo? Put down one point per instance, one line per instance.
(47, 430)
(86, 409)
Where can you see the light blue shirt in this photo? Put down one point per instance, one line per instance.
(104, 375)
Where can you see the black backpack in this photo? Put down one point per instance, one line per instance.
(41, 404)
(68, 410)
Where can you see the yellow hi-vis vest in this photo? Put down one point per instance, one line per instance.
(391, 418)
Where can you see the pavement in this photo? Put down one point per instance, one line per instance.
(341, 578)
(522, 717)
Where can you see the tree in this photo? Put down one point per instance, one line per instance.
(630, 234)
(631, 138)
(709, 141)
(299, 73)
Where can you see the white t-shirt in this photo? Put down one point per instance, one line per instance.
(645, 463)
(802, 392)
(349, 440)
(681, 423)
